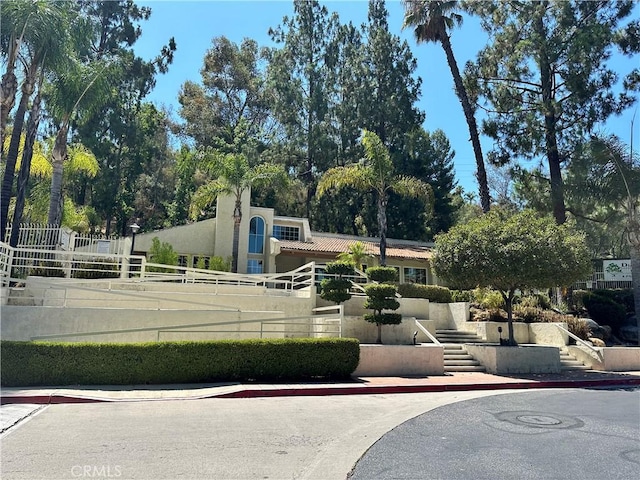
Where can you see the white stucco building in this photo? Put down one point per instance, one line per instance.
(271, 243)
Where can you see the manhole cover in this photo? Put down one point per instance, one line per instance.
(540, 420)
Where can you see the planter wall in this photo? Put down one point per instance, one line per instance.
(548, 334)
(489, 331)
(521, 359)
(402, 334)
(400, 360)
(612, 359)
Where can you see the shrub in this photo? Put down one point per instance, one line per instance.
(621, 296)
(433, 293)
(96, 268)
(382, 296)
(577, 298)
(489, 299)
(47, 269)
(162, 253)
(461, 296)
(604, 311)
(382, 274)
(536, 300)
(336, 289)
(219, 264)
(527, 314)
(578, 327)
(35, 363)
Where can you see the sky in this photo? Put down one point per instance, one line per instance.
(194, 24)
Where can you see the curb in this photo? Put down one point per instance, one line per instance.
(328, 391)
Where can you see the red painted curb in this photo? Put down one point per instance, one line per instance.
(326, 391)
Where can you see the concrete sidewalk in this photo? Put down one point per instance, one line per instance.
(357, 386)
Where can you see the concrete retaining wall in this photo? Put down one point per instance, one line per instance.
(402, 334)
(400, 360)
(489, 331)
(612, 359)
(521, 359)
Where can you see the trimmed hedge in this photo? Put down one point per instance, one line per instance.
(604, 311)
(433, 293)
(40, 363)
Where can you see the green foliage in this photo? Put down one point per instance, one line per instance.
(578, 327)
(382, 274)
(488, 298)
(462, 295)
(219, 264)
(96, 268)
(522, 252)
(337, 289)
(604, 311)
(35, 363)
(381, 296)
(433, 293)
(527, 314)
(356, 255)
(621, 296)
(47, 269)
(537, 300)
(162, 252)
(383, 318)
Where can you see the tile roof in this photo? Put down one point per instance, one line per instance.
(332, 243)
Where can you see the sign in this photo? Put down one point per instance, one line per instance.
(103, 246)
(617, 270)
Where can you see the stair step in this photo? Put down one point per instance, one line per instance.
(460, 363)
(457, 356)
(464, 368)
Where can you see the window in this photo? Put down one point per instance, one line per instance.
(183, 260)
(201, 262)
(283, 232)
(254, 266)
(415, 275)
(256, 235)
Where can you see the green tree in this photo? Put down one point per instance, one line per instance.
(38, 32)
(162, 252)
(391, 90)
(547, 79)
(356, 255)
(619, 182)
(428, 157)
(432, 21)
(234, 177)
(382, 296)
(521, 252)
(232, 91)
(336, 288)
(376, 173)
(298, 82)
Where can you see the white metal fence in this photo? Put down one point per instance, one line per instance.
(40, 236)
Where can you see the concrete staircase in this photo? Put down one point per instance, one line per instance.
(456, 358)
(568, 362)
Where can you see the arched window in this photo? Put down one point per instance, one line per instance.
(256, 235)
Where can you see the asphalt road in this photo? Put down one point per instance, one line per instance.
(581, 434)
(262, 438)
(551, 434)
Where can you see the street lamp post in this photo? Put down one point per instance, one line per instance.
(135, 228)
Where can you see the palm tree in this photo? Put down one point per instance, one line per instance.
(234, 177)
(375, 172)
(356, 255)
(432, 20)
(39, 33)
(621, 180)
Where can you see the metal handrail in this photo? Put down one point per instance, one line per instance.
(427, 333)
(580, 341)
